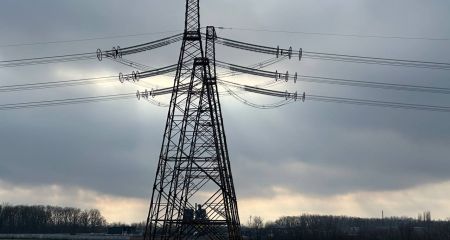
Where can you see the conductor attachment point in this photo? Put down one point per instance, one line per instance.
(138, 95)
(99, 54)
(121, 77)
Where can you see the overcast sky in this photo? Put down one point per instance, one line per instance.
(319, 158)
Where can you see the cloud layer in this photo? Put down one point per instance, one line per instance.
(305, 157)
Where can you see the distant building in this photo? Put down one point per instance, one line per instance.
(197, 214)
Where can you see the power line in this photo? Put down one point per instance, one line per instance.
(259, 65)
(229, 43)
(85, 81)
(224, 28)
(48, 59)
(69, 101)
(134, 77)
(65, 101)
(289, 97)
(377, 103)
(336, 34)
(330, 80)
(253, 104)
(300, 54)
(86, 39)
(254, 89)
(113, 54)
(55, 84)
(341, 100)
(376, 60)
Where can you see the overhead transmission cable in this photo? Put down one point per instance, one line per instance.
(133, 77)
(376, 103)
(289, 97)
(55, 84)
(230, 43)
(337, 34)
(329, 80)
(341, 100)
(253, 104)
(260, 65)
(67, 101)
(116, 52)
(254, 89)
(86, 39)
(300, 54)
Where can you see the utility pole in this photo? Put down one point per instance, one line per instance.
(193, 194)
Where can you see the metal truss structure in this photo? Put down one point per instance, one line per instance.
(193, 194)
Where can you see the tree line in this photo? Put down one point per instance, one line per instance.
(53, 219)
(316, 227)
(50, 219)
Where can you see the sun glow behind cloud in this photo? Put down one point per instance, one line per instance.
(282, 203)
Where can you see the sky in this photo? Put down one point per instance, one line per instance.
(305, 157)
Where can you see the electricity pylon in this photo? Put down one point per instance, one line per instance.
(193, 194)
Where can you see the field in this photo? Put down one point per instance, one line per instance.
(64, 237)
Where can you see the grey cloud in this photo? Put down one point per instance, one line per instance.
(113, 147)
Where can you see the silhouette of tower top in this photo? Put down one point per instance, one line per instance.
(192, 17)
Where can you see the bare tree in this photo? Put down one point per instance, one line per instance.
(49, 219)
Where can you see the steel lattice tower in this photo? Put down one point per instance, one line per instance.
(193, 194)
